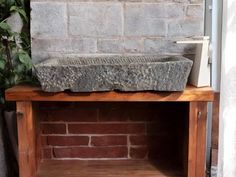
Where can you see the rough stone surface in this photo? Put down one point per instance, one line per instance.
(48, 19)
(114, 73)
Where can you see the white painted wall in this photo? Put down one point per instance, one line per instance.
(227, 141)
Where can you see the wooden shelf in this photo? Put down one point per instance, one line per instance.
(29, 132)
(31, 93)
(120, 168)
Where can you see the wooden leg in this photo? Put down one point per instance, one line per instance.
(26, 139)
(201, 140)
(197, 139)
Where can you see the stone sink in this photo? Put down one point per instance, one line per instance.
(134, 73)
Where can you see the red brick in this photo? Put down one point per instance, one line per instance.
(73, 115)
(108, 140)
(53, 128)
(91, 152)
(47, 153)
(67, 140)
(138, 152)
(44, 141)
(139, 140)
(111, 128)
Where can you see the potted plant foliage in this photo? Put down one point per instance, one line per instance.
(15, 68)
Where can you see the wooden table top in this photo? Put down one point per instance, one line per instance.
(32, 93)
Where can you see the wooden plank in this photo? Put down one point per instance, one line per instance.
(215, 130)
(37, 114)
(192, 144)
(30, 93)
(107, 168)
(197, 139)
(201, 140)
(215, 121)
(26, 139)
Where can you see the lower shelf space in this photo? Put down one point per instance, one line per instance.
(107, 168)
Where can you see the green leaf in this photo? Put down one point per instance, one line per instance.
(21, 11)
(23, 14)
(25, 59)
(25, 40)
(13, 8)
(5, 26)
(20, 68)
(2, 64)
(9, 3)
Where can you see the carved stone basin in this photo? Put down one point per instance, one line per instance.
(135, 73)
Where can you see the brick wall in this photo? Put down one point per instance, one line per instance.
(65, 28)
(112, 130)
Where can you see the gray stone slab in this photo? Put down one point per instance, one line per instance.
(136, 73)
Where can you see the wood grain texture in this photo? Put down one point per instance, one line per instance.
(215, 121)
(119, 168)
(201, 139)
(192, 144)
(30, 93)
(197, 139)
(37, 114)
(26, 139)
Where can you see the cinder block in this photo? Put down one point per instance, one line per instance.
(154, 10)
(98, 19)
(84, 45)
(196, 1)
(135, 26)
(185, 27)
(195, 11)
(133, 45)
(110, 45)
(167, 47)
(175, 10)
(48, 19)
(149, 19)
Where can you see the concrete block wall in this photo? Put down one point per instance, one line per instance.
(70, 28)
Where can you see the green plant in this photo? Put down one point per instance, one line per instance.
(15, 61)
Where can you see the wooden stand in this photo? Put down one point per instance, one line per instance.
(28, 133)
